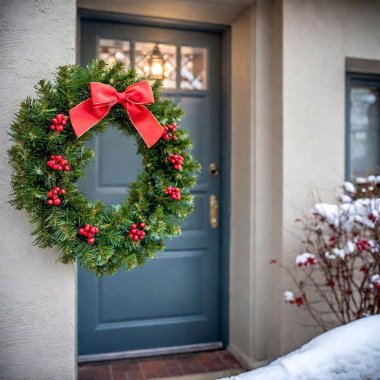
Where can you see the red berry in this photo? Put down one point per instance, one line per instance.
(59, 128)
(134, 225)
(56, 201)
(142, 224)
(96, 229)
(62, 191)
(52, 127)
(50, 202)
(86, 226)
(66, 168)
(54, 121)
(166, 137)
(92, 230)
(91, 240)
(81, 231)
(133, 231)
(49, 194)
(135, 238)
(58, 158)
(130, 235)
(63, 123)
(174, 137)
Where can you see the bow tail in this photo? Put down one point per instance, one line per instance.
(146, 124)
(85, 115)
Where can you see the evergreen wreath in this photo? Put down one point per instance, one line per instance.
(48, 159)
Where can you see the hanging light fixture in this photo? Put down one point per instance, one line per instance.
(156, 63)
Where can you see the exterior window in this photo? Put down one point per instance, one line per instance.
(179, 67)
(143, 52)
(112, 51)
(363, 126)
(193, 68)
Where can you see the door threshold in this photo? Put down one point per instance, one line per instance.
(150, 352)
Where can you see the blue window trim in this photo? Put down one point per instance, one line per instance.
(355, 79)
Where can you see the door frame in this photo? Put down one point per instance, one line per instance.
(225, 143)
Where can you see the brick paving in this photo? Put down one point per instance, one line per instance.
(159, 366)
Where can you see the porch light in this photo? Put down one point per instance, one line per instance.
(156, 63)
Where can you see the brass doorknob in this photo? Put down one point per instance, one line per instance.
(213, 169)
(214, 211)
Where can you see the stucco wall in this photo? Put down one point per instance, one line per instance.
(37, 294)
(256, 196)
(317, 38)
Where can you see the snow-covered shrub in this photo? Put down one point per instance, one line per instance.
(337, 276)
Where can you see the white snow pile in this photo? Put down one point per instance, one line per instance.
(346, 215)
(349, 352)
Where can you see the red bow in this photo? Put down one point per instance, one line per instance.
(103, 97)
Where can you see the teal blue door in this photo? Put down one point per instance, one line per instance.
(175, 299)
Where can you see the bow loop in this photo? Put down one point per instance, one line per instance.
(134, 99)
(140, 93)
(102, 94)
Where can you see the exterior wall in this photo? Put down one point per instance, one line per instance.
(37, 294)
(256, 215)
(318, 36)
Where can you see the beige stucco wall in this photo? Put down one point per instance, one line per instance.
(318, 36)
(256, 186)
(37, 294)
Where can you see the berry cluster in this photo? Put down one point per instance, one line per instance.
(135, 233)
(58, 163)
(298, 300)
(363, 245)
(88, 232)
(176, 160)
(174, 193)
(59, 122)
(54, 199)
(169, 132)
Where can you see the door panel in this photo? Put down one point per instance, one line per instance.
(173, 300)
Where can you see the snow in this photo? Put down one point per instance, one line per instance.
(289, 296)
(349, 352)
(305, 259)
(349, 188)
(347, 214)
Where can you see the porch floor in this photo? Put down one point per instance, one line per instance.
(182, 366)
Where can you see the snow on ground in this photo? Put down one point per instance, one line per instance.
(349, 352)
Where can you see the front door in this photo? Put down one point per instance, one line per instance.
(174, 300)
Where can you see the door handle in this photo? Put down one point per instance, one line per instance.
(214, 211)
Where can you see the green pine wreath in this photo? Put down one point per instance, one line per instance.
(100, 238)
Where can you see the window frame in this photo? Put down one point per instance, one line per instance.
(354, 78)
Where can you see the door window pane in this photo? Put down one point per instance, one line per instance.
(157, 61)
(193, 68)
(112, 51)
(364, 130)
